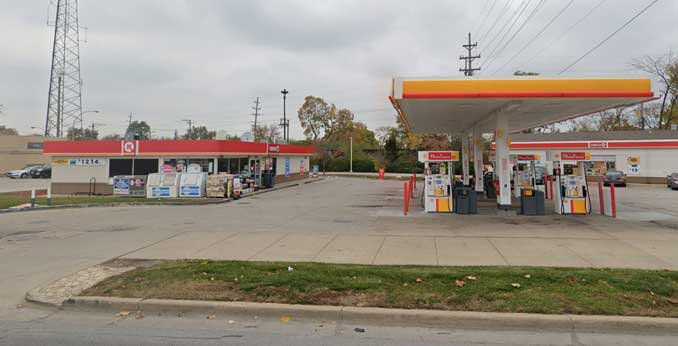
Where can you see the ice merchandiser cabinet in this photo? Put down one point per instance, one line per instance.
(438, 180)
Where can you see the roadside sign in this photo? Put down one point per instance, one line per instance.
(438, 156)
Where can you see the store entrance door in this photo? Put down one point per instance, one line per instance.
(255, 170)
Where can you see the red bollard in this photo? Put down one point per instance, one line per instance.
(405, 199)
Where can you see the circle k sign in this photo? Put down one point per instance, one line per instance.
(130, 147)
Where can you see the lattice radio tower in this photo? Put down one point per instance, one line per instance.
(64, 104)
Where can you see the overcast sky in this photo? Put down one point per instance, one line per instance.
(207, 60)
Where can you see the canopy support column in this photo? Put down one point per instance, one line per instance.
(502, 166)
(465, 152)
(478, 159)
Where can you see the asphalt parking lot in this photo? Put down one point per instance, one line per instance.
(13, 185)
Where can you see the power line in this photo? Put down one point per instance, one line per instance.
(482, 24)
(534, 38)
(564, 34)
(515, 20)
(609, 37)
(496, 20)
(522, 5)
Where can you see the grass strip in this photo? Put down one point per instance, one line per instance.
(626, 292)
(7, 201)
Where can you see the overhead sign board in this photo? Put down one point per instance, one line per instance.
(569, 156)
(597, 145)
(438, 156)
(525, 157)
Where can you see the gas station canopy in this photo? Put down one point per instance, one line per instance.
(435, 105)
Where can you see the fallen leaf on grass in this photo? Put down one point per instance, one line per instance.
(459, 283)
(122, 314)
(211, 317)
(419, 280)
(204, 262)
(212, 278)
(471, 277)
(516, 285)
(527, 276)
(285, 319)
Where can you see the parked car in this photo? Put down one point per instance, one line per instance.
(616, 178)
(41, 172)
(672, 181)
(21, 173)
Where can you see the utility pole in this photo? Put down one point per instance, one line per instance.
(256, 117)
(190, 127)
(284, 123)
(64, 100)
(468, 59)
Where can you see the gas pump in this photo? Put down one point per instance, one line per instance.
(571, 195)
(438, 180)
(524, 174)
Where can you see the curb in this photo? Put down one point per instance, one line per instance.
(132, 204)
(380, 316)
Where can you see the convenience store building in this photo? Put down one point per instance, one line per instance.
(644, 156)
(80, 166)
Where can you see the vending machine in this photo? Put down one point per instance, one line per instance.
(571, 195)
(438, 179)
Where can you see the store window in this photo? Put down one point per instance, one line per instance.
(205, 164)
(132, 167)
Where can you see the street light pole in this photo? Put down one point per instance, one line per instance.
(285, 124)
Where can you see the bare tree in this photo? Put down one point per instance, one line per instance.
(664, 67)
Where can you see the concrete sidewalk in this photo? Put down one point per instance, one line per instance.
(415, 249)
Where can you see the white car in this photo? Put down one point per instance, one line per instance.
(21, 173)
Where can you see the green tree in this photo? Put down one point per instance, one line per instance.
(6, 131)
(268, 133)
(111, 137)
(139, 128)
(199, 132)
(316, 117)
(85, 134)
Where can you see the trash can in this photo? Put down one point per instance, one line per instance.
(532, 202)
(489, 189)
(268, 179)
(465, 201)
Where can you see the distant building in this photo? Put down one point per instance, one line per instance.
(645, 156)
(20, 151)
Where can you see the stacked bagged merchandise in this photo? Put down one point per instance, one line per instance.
(216, 185)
